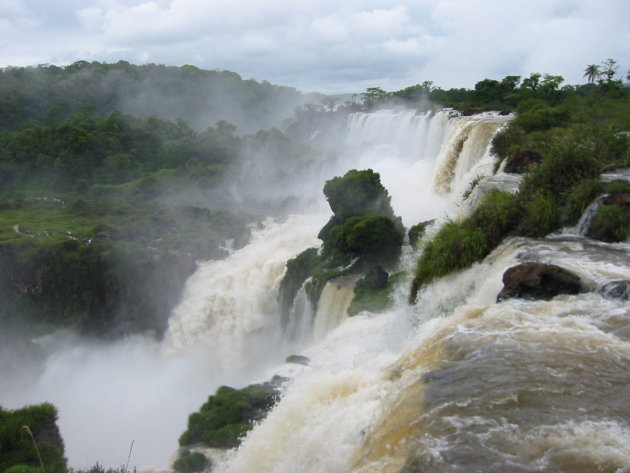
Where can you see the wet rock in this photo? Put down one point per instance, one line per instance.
(538, 281)
(620, 199)
(375, 278)
(522, 161)
(298, 360)
(616, 290)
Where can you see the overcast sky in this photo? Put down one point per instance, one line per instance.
(330, 46)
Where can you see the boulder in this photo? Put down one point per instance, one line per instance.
(619, 199)
(616, 290)
(538, 281)
(522, 161)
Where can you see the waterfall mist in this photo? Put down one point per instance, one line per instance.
(226, 329)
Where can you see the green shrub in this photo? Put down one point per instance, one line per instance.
(190, 462)
(23, 469)
(371, 298)
(564, 169)
(357, 193)
(416, 232)
(454, 247)
(540, 216)
(509, 139)
(580, 197)
(616, 187)
(611, 224)
(299, 269)
(18, 449)
(542, 118)
(228, 415)
(496, 216)
(375, 238)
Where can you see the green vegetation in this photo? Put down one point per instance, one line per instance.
(103, 213)
(611, 224)
(357, 193)
(48, 94)
(228, 415)
(190, 462)
(416, 232)
(30, 440)
(454, 247)
(362, 236)
(579, 131)
(372, 296)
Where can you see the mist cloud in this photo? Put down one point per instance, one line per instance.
(328, 46)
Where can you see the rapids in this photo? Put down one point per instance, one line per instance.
(455, 383)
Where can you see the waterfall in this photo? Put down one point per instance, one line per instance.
(376, 394)
(458, 382)
(230, 305)
(461, 383)
(333, 305)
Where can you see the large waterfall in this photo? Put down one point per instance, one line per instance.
(455, 383)
(458, 382)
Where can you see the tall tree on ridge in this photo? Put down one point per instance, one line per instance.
(591, 73)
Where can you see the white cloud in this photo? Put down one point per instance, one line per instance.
(329, 45)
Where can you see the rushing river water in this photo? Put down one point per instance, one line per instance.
(455, 383)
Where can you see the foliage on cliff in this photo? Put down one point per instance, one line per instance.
(228, 415)
(103, 213)
(363, 234)
(583, 132)
(29, 437)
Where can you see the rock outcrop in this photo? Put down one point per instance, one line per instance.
(538, 281)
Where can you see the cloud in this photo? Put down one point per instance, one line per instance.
(330, 46)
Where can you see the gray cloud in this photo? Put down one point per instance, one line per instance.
(328, 46)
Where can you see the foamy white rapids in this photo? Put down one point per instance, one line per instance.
(460, 383)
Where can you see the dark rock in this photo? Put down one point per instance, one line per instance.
(49, 434)
(616, 290)
(298, 360)
(522, 161)
(538, 281)
(375, 278)
(620, 199)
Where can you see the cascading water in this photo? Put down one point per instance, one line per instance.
(349, 409)
(458, 382)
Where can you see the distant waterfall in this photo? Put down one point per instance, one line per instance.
(426, 160)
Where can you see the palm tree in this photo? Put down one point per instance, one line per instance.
(592, 72)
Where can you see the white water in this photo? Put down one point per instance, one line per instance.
(227, 329)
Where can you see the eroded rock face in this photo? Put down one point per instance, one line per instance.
(522, 161)
(538, 281)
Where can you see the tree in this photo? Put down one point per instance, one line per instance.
(609, 69)
(592, 73)
(373, 96)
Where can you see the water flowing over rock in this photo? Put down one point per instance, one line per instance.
(616, 290)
